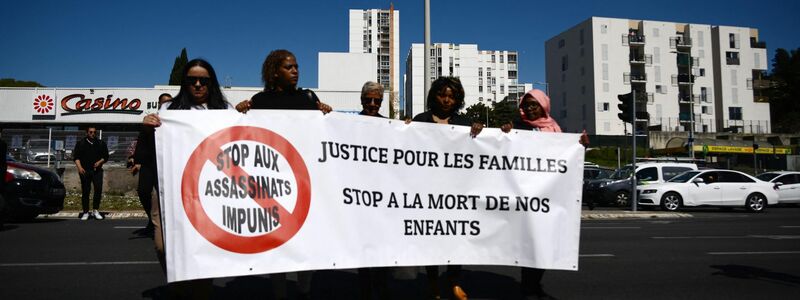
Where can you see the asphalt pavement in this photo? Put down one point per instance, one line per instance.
(701, 253)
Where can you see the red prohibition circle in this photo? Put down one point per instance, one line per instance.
(290, 223)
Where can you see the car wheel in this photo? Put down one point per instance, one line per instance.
(622, 199)
(755, 202)
(671, 201)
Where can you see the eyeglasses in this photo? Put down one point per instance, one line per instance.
(192, 80)
(370, 100)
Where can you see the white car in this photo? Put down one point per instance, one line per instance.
(788, 185)
(709, 187)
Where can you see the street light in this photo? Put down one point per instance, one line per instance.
(546, 86)
(690, 143)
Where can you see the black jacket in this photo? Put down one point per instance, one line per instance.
(299, 99)
(145, 153)
(455, 119)
(90, 151)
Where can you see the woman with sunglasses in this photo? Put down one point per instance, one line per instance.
(280, 73)
(371, 98)
(199, 90)
(534, 114)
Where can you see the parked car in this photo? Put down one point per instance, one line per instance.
(30, 191)
(788, 185)
(38, 150)
(616, 189)
(714, 187)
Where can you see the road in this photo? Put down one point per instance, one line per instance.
(713, 255)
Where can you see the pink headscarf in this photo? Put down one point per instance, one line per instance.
(545, 123)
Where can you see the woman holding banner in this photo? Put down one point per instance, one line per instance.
(199, 90)
(534, 114)
(280, 73)
(445, 99)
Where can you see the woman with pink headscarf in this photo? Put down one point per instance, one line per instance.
(534, 110)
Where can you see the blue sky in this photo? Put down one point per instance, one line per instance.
(133, 44)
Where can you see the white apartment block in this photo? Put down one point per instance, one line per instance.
(378, 31)
(680, 73)
(487, 76)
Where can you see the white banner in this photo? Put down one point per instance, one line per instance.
(279, 191)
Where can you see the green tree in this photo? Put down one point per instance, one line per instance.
(11, 82)
(477, 112)
(502, 113)
(175, 76)
(784, 91)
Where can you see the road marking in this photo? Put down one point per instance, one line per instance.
(128, 227)
(751, 253)
(772, 237)
(80, 263)
(596, 255)
(613, 227)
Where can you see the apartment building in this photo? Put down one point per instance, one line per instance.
(487, 76)
(378, 31)
(686, 76)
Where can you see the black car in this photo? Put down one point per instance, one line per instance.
(31, 191)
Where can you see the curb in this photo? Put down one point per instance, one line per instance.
(585, 215)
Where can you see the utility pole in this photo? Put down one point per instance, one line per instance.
(633, 162)
(427, 55)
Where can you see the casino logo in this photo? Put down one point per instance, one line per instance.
(43, 108)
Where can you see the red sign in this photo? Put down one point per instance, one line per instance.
(76, 104)
(290, 222)
(43, 104)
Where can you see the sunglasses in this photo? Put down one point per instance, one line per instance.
(370, 100)
(192, 80)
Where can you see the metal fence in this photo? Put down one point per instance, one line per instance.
(710, 125)
(52, 147)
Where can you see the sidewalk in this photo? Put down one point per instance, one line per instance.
(585, 214)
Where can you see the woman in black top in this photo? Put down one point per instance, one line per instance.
(280, 73)
(445, 99)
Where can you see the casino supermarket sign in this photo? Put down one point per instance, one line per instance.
(76, 104)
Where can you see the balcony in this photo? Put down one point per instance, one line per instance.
(760, 99)
(757, 44)
(680, 42)
(687, 99)
(685, 117)
(637, 77)
(632, 40)
(732, 60)
(641, 59)
(685, 78)
(760, 84)
(642, 96)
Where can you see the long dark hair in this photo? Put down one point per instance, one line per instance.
(184, 99)
(439, 85)
(271, 65)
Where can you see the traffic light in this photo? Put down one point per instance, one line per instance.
(625, 107)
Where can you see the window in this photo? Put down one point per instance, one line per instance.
(655, 32)
(564, 62)
(605, 71)
(657, 73)
(732, 58)
(606, 106)
(734, 95)
(734, 113)
(660, 89)
(604, 53)
(502, 89)
(704, 94)
(583, 90)
(581, 36)
(670, 172)
(733, 40)
(727, 176)
(603, 29)
(702, 72)
(501, 58)
(606, 87)
(480, 72)
(705, 110)
(480, 87)
(787, 179)
(492, 58)
(647, 174)
(561, 43)
(656, 55)
(512, 58)
(734, 78)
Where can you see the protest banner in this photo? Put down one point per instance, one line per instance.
(279, 191)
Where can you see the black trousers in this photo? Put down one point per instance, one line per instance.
(148, 180)
(88, 179)
(531, 280)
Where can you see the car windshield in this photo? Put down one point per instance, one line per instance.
(39, 144)
(622, 173)
(767, 176)
(684, 177)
